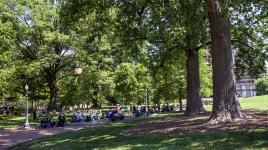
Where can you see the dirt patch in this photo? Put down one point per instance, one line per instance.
(197, 124)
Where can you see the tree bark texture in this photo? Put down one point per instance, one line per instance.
(53, 97)
(51, 80)
(157, 98)
(95, 100)
(180, 99)
(95, 103)
(225, 103)
(193, 104)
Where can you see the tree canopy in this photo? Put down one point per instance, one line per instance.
(125, 49)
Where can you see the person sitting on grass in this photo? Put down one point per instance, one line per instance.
(74, 116)
(43, 123)
(97, 115)
(52, 123)
(88, 118)
(47, 123)
(61, 120)
(77, 117)
(110, 114)
(92, 116)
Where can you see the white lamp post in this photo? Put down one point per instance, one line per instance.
(145, 95)
(146, 107)
(26, 125)
(146, 98)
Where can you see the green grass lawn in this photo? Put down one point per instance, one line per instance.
(13, 121)
(257, 102)
(109, 137)
(18, 121)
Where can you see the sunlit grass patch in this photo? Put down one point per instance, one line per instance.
(256, 102)
(110, 137)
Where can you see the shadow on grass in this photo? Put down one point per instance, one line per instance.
(109, 137)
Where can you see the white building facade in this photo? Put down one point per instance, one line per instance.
(245, 87)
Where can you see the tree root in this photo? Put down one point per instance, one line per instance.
(226, 116)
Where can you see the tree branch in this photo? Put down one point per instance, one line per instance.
(64, 76)
(256, 21)
(243, 43)
(203, 45)
(26, 50)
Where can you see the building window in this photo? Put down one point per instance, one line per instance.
(244, 94)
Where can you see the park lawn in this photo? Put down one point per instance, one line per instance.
(110, 137)
(13, 121)
(257, 102)
(18, 121)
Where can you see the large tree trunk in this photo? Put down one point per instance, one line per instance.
(180, 99)
(157, 98)
(225, 104)
(51, 80)
(193, 104)
(95, 103)
(53, 97)
(95, 100)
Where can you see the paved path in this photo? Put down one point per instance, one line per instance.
(10, 137)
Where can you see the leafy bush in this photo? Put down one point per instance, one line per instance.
(262, 86)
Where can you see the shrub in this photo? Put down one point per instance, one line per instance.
(262, 86)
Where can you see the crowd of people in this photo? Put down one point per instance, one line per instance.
(89, 116)
(48, 122)
(113, 114)
(147, 110)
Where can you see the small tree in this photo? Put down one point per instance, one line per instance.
(126, 82)
(131, 82)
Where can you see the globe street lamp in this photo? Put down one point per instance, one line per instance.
(26, 125)
(78, 70)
